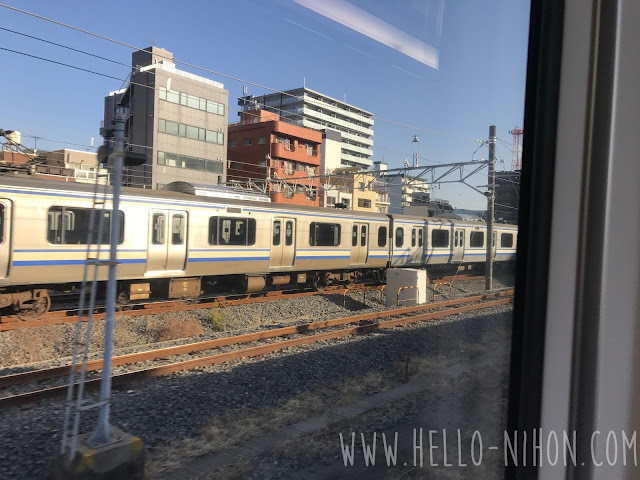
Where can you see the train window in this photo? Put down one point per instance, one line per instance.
(413, 237)
(177, 230)
(363, 236)
(440, 238)
(276, 232)
(477, 240)
(399, 237)
(324, 234)
(455, 239)
(213, 230)
(232, 231)
(420, 237)
(506, 240)
(354, 236)
(1, 223)
(288, 234)
(70, 226)
(158, 229)
(382, 236)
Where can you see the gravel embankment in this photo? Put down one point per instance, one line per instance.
(216, 407)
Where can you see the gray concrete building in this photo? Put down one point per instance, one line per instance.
(177, 119)
(311, 109)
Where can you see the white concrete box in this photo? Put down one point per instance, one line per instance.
(406, 287)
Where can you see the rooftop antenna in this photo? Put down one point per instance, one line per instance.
(416, 142)
(304, 82)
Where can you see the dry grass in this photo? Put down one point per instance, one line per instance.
(173, 328)
(29, 346)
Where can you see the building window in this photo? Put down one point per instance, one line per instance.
(191, 101)
(324, 234)
(364, 203)
(310, 150)
(69, 226)
(189, 131)
(331, 200)
(246, 142)
(382, 236)
(232, 231)
(440, 238)
(477, 239)
(262, 140)
(190, 163)
(233, 143)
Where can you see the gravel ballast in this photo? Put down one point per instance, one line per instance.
(201, 411)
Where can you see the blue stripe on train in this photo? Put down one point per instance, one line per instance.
(228, 259)
(36, 263)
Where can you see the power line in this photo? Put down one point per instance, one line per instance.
(436, 132)
(65, 46)
(60, 63)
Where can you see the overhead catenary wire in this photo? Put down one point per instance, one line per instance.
(231, 77)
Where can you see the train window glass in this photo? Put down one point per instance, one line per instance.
(477, 240)
(382, 236)
(236, 231)
(363, 236)
(324, 234)
(158, 229)
(455, 239)
(506, 240)
(213, 230)
(1, 223)
(70, 226)
(413, 237)
(177, 230)
(288, 234)
(399, 237)
(420, 237)
(440, 238)
(276, 232)
(354, 236)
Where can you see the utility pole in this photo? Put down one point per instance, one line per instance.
(104, 431)
(488, 279)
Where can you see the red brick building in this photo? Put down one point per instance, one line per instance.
(261, 147)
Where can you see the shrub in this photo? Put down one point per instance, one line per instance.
(217, 320)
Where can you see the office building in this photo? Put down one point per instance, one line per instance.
(177, 119)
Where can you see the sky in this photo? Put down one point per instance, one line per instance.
(280, 44)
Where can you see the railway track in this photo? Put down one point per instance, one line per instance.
(60, 317)
(403, 316)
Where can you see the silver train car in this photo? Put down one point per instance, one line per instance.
(176, 245)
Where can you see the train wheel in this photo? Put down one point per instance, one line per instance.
(319, 282)
(122, 302)
(38, 307)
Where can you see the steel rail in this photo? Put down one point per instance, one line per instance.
(168, 369)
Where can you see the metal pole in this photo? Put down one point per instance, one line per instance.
(104, 431)
(488, 279)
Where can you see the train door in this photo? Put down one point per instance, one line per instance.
(283, 242)
(359, 243)
(5, 236)
(177, 240)
(167, 249)
(458, 245)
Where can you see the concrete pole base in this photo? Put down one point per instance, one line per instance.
(122, 458)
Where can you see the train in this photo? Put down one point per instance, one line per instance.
(176, 245)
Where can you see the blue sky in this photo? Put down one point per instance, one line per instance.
(278, 43)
